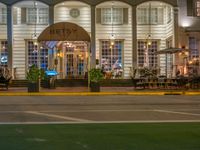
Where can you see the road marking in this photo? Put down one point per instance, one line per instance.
(57, 116)
(101, 122)
(72, 111)
(176, 112)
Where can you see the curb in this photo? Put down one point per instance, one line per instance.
(99, 93)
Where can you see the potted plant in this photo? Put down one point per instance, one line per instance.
(33, 75)
(96, 76)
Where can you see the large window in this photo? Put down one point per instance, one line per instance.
(193, 46)
(198, 8)
(3, 15)
(169, 14)
(111, 55)
(147, 15)
(37, 15)
(147, 53)
(33, 56)
(112, 15)
(3, 53)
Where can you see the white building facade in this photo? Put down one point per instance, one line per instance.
(120, 31)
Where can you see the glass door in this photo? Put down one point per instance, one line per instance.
(75, 60)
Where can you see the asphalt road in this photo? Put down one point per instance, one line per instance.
(98, 109)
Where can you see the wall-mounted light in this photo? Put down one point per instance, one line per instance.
(35, 43)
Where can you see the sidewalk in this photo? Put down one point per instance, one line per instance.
(65, 91)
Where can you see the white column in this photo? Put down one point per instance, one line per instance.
(10, 36)
(134, 36)
(93, 37)
(51, 14)
(176, 39)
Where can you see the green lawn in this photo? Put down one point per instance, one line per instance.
(163, 136)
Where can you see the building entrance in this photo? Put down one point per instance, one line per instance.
(68, 46)
(72, 60)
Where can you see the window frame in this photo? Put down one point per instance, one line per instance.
(142, 55)
(42, 51)
(112, 15)
(2, 15)
(38, 15)
(111, 52)
(152, 21)
(169, 14)
(197, 8)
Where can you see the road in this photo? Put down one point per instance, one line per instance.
(98, 109)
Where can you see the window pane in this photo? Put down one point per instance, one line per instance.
(32, 15)
(142, 16)
(198, 8)
(169, 14)
(3, 15)
(112, 15)
(111, 56)
(151, 49)
(193, 46)
(154, 16)
(106, 16)
(43, 16)
(33, 56)
(117, 15)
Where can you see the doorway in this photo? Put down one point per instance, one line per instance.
(73, 60)
(68, 47)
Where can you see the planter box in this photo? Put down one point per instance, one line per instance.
(33, 87)
(94, 87)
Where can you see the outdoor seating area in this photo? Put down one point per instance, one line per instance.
(166, 83)
(150, 79)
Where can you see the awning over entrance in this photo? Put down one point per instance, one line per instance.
(64, 31)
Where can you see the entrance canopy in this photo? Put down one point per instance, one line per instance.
(64, 31)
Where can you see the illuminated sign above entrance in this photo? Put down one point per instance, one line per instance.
(64, 31)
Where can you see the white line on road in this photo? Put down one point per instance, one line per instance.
(176, 112)
(104, 122)
(73, 111)
(57, 116)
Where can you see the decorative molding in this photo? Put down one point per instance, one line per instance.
(74, 12)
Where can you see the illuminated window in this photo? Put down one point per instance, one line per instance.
(37, 15)
(33, 56)
(4, 53)
(112, 15)
(3, 15)
(152, 49)
(111, 55)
